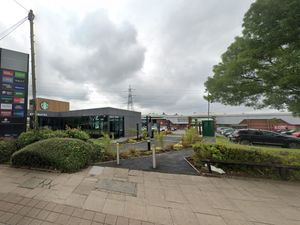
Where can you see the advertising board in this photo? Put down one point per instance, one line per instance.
(13, 92)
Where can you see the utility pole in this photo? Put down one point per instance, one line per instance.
(35, 119)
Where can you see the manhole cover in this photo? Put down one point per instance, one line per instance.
(129, 188)
(32, 183)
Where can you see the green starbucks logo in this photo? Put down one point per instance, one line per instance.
(44, 105)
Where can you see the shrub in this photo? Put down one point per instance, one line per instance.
(78, 134)
(131, 140)
(159, 138)
(32, 136)
(144, 134)
(28, 137)
(248, 154)
(63, 154)
(235, 153)
(107, 147)
(177, 146)
(7, 148)
(190, 137)
(97, 153)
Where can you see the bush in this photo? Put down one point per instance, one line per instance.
(78, 134)
(159, 138)
(32, 136)
(190, 137)
(63, 154)
(105, 143)
(7, 148)
(97, 153)
(247, 154)
(131, 140)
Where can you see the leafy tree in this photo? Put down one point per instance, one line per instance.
(261, 68)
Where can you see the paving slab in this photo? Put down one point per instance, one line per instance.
(96, 170)
(32, 183)
(126, 187)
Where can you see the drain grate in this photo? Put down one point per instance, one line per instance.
(125, 187)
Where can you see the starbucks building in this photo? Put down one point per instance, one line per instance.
(116, 122)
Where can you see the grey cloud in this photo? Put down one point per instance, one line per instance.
(93, 51)
(192, 37)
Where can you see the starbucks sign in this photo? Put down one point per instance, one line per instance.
(44, 105)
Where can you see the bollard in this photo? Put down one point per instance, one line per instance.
(149, 145)
(118, 154)
(153, 157)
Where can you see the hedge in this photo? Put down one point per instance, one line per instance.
(63, 154)
(7, 148)
(248, 154)
(32, 136)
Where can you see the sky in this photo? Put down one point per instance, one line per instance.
(88, 52)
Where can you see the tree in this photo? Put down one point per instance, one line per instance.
(261, 68)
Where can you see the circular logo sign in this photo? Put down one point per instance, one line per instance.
(44, 105)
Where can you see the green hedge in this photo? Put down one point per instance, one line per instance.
(32, 136)
(240, 153)
(63, 154)
(7, 148)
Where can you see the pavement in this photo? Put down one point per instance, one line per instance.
(168, 162)
(105, 195)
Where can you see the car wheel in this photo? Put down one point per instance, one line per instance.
(294, 145)
(245, 142)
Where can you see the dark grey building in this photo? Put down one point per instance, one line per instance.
(96, 122)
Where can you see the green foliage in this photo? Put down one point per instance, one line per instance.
(144, 134)
(131, 140)
(159, 138)
(105, 143)
(190, 137)
(78, 134)
(97, 153)
(262, 67)
(247, 154)
(32, 136)
(7, 148)
(63, 154)
(132, 132)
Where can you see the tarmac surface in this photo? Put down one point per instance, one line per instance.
(168, 162)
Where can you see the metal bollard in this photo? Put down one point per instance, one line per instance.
(149, 144)
(118, 154)
(153, 157)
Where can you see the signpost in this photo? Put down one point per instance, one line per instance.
(13, 92)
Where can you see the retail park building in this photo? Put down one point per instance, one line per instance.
(117, 122)
(57, 115)
(266, 121)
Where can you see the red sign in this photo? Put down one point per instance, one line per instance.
(5, 113)
(7, 73)
(18, 100)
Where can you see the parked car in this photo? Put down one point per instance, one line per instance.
(253, 136)
(288, 132)
(163, 128)
(224, 130)
(296, 134)
(228, 132)
(220, 129)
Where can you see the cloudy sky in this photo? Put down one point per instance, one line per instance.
(89, 52)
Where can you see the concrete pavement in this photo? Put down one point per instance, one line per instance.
(33, 197)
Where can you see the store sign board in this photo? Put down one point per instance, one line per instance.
(13, 92)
